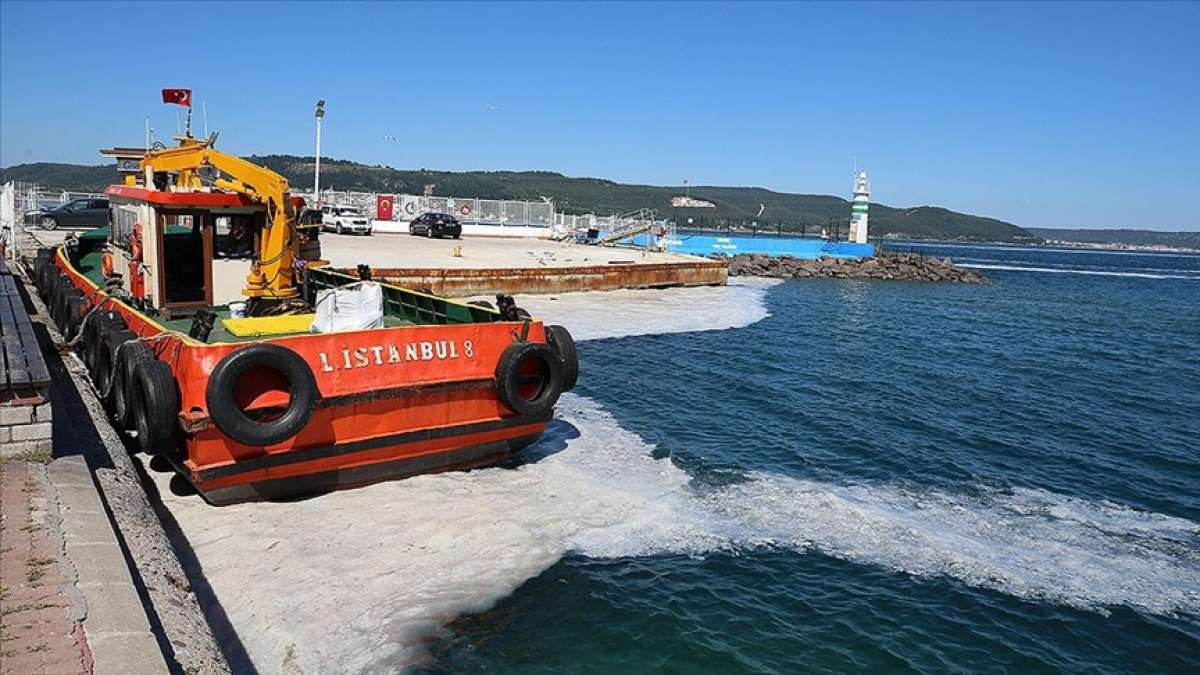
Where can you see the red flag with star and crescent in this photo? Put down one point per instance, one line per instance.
(178, 96)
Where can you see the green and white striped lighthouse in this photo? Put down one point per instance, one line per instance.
(858, 209)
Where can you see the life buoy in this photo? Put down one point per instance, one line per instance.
(464, 210)
(155, 403)
(106, 264)
(135, 243)
(529, 379)
(234, 422)
(564, 345)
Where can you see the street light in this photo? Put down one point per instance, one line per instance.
(317, 171)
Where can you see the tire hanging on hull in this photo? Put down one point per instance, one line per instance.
(529, 378)
(234, 422)
(155, 407)
(564, 345)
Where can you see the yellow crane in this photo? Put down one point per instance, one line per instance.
(272, 276)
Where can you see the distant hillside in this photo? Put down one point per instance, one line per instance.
(735, 205)
(1129, 237)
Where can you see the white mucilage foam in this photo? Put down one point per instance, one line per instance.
(352, 581)
(1032, 544)
(624, 313)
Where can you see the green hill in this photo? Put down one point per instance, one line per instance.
(735, 205)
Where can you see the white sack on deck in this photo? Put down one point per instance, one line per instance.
(353, 307)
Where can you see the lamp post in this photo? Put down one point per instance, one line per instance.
(317, 171)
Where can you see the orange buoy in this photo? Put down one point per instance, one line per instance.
(106, 264)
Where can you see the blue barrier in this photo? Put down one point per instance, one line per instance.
(702, 244)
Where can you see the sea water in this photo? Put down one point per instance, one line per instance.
(876, 477)
(826, 475)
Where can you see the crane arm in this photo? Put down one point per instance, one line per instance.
(271, 275)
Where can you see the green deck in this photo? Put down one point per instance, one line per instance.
(401, 307)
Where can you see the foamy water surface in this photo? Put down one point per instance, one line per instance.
(359, 580)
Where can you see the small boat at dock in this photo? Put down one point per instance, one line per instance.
(256, 391)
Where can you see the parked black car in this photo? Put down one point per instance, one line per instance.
(436, 225)
(82, 213)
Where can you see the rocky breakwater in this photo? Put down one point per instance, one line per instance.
(898, 266)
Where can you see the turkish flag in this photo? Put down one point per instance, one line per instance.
(383, 207)
(178, 96)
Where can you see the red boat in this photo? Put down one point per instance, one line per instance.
(260, 406)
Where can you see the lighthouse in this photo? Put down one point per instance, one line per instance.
(858, 209)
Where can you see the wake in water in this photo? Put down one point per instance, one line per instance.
(1061, 270)
(1029, 543)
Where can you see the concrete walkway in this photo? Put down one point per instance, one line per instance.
(40, 616)
(114, 622)
(69, 604)
(129, 597)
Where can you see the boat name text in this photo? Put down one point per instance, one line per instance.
(379, 355)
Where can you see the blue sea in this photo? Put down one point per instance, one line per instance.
(895, 477)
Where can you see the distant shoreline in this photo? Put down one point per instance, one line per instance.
(1147, 248)
(1054, 243)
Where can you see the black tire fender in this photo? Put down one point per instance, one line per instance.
(559, 338)
(106, 361)
(509, 379)
(43, 277)
(155, 407)
(93, 335)
(234, 422)
(129, 356)
(73, 310)
(61, 313)
(49, 283)
(53, 288)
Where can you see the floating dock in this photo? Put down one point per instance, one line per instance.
(486, 266)
(457, 283)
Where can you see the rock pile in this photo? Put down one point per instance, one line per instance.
(900, 266)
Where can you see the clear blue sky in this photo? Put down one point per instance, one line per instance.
(1071, 115)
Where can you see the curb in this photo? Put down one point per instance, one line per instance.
(114, 622)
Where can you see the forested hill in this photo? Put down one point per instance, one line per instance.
(735, 205)
(1127, 237)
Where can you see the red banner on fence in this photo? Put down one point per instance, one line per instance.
(383, 206)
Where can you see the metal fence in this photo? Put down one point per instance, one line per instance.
(27, 198)
(19, 204)
(504, 213)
